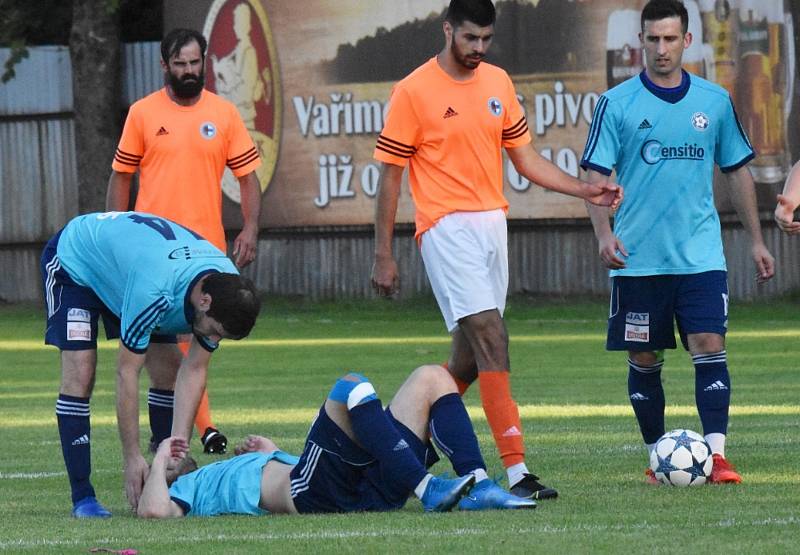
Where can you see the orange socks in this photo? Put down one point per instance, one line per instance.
(202, 419)
(460, 384)
(502, 415)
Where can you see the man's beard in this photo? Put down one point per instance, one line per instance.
(188, 86)
(462, 59)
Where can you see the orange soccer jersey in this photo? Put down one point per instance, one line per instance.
(451, 133)
(181, 153)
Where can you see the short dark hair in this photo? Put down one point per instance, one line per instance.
(234, 302)
(185, 466)
(176, 39)
(479, 12)
(662, 9)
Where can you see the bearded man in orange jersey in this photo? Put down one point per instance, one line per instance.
(180, 139)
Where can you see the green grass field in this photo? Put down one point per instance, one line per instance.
(580, 433)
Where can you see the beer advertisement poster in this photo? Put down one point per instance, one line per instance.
(312, 80)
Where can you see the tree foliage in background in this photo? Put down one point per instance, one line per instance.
(93, 30)
(44, 22)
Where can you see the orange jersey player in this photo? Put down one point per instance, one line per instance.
(449, 121)
(180, 139)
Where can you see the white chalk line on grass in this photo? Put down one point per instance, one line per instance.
(40, 475)
(38, 345)
(333, 535)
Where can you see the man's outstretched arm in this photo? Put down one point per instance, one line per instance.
(155, 501)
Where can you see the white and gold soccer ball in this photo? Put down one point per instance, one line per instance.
(682, 458)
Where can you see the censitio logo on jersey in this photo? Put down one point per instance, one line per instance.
(700, 121)
(208, 130)
(185, 253)
(495, 106)
(654, 152)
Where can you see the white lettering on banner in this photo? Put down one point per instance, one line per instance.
(335, 175)
(341, 116)
(562, 108)
(566, 159)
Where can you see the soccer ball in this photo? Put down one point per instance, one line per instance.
(682, 458)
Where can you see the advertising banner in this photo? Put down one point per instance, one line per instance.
(312, 79)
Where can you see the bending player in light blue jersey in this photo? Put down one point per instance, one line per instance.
(148, 279)
(357, 457)
(663, 131)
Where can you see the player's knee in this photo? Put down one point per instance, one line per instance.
(433, 378)
(647, 358)
(352, 389)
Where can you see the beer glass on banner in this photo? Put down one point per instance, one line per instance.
(623, 47)
(764, 83)
(698, 58)
(719, 31)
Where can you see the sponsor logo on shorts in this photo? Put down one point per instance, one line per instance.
(79, 331)
(79, 315)
(638, 318)
(640, 334)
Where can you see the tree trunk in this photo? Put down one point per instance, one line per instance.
(94, 47)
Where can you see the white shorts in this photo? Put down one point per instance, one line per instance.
(466, 259)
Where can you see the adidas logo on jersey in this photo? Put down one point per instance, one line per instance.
(400, 445)
(162, 131)
(83, 440)
(716, 386)
(512, 431)
(639, 397)
(645, 124)
(449, 113)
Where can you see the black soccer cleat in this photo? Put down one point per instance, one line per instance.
(530, 488)
(214, 442)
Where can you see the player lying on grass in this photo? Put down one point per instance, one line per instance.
(357, 457)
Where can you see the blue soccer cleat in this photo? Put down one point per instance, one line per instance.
(89, 507)
(441, 494)
(487, 495)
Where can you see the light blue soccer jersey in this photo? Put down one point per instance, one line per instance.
(232, 486)
(142, 267)
(663, 144)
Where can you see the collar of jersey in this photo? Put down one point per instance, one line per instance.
(673, 95)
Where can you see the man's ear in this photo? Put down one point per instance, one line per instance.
(205, 302)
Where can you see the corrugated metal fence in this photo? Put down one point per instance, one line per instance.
(38, 194)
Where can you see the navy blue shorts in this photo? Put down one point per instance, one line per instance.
(335, 475)
(73, 311)
(643, 309)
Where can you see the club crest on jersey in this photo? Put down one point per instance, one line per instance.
(495, 106)
(208, 130)
(700, 121)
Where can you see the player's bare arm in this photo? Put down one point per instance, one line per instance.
(189, 387)
(544, 173)
(245, 245)
(743, 196)
(385, 278)
(610, 248)
(788, 202)
(118, 193)
(155, 501)
(129, 365)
